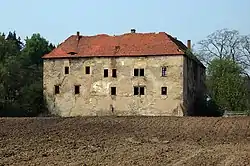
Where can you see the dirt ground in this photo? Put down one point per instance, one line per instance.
(119, 141)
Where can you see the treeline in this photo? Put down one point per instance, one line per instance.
(21, 85)
(226, 54)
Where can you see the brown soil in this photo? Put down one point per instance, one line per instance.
(125, 141)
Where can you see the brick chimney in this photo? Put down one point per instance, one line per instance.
(189, 44)
(133, 30)
(77, 35)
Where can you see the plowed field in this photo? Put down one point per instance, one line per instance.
(119, 141)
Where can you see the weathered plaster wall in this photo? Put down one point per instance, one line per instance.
(95, 99)
(194, 83)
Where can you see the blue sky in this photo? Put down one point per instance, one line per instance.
(185, 19)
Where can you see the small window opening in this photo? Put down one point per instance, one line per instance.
(164, 71)
(139, 90)
(106, 74)
(136, 90)
(66, 70)
(113, 90)
(163, 90)
(57, 90)
(141, 72)
(87, 70)
(136, 72)
(114, 73)
(77, 89)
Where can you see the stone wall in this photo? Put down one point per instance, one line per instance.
(95, 97)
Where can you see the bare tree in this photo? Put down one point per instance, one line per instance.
(245, 51)
(223, 44)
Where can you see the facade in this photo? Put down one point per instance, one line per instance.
(147, 74)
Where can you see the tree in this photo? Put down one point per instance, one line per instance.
(226, 44)
(35, 48)
(7, 49)
(17, 41)
(226, 85)
(21, 76)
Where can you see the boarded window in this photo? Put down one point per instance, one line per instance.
(66, 70)
(114, 73)
(163, 90)
(77, 89)
(113, 90)
(57, 90)
(106, 72)
(87, 70)
(139, 90)
(164, 71)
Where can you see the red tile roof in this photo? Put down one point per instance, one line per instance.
(130, 44)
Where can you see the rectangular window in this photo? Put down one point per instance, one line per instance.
(163, 90)
(136, 90)
(141, 72)
(57, 90)
(113, 90)
(66, 70)
(139, 90)
(164, 71)
(114, 73)
(87, 70)
(136, 72)
(106, 72)
(77, 89)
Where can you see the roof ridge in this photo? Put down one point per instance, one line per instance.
(109, 35)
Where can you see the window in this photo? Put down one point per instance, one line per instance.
(106, 72)
(136, 90)
(77, 89)
(72, 53)
(141, 72)
(163, 90)
(114, 73)
(164, 71)
(57, 90)
(138, 72)
(139, 90)
(113, 90)
(87, 70)
(66, 70)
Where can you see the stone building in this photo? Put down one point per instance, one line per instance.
(148, 74)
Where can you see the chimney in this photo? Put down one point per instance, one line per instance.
(78, 35)
(133, 30)
(189, 44)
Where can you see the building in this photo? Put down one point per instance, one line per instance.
(148, 74)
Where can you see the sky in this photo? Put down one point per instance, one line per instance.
(185, 19)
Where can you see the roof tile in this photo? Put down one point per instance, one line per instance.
(130, 44)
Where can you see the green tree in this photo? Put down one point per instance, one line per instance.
(21, 77)
(7, 49)
(226, 85)
(16, 41)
